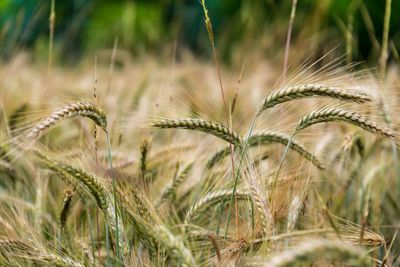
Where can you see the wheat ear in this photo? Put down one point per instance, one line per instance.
(213, 198)
(84, 109)
(201, 125)
(170, 190)
(139, 213)
(266, 218)
(174, 246)
(268, 137)
(335, 114)
(311, 90)
(306, 253)
(27, 250)
(231, 253)
(79, 177)
(66, 207)
(93, 186)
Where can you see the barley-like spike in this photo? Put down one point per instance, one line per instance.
(306, 253)
(170, 190)
(84, 109)
(174, 246)
(231, 253)
(31, 253)
(213, 198)
(267, 137)
(272, 137)
(201, 125)
(335, 114)
(312, 90)
(88, 181)
(75, 184)
(217, 157)
(267, 221)
(138, 208)
(92, 186)
(66, 206)
(144, 149)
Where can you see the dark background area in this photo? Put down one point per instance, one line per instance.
(146, 26)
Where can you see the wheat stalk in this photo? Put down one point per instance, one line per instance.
(84, 109)
(201, 125)
(335, 114)
(311, 90)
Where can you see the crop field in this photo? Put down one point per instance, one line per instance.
(169, 157)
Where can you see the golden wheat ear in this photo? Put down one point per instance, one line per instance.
(266, 138)
(306, 253)
(82, 109)
(336, 115)
(312, 90)
(211, 199)
(201, 125)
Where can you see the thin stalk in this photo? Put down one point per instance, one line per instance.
(283, 157)
(52, 20)
(91, 237)
(96, 145)
(349, 35)
(288, 38)
(242, 154)
(211, 38)
(115, 196)
(385, 38)
(107, 245)
(221, 210)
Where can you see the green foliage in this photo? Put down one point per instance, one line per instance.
(136, 25)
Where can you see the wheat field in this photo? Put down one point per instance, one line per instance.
(182, 162)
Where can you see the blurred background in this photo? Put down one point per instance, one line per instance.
(142, 27)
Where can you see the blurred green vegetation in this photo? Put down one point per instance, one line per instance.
(142, 26)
